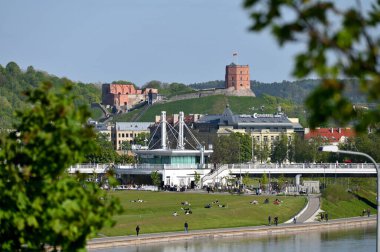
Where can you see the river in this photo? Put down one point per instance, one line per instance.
(358, 240)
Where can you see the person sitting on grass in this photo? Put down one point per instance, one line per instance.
(277, 202)
(207, 206)
(175, 214)
(254, 202)
(188, 212)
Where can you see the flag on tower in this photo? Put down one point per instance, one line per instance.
(234, 54)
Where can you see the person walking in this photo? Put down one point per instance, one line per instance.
(137, 230)
(276, 220)
(294, 220)
(186, 227)
(326, 217)
(269, 220)
(368, 212)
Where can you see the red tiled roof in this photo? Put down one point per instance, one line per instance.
(330, 134)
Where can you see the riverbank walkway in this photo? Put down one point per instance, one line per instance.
(311, 210)
(255, 231)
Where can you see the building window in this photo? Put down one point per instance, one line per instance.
(277, 138)
(241, 72)
(272, 138)
(241, 78)
(265, 138)
(122, 135)
(119, 134)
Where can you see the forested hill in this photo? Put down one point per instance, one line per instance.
(13, 81)
(296, 91)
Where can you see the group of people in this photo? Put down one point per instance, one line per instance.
(138, 200)
(366, 212)
(276, 201)
(324, 216)
(186, 208)
(275, 220)
(209, 205)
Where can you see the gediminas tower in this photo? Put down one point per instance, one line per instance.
(237, 76)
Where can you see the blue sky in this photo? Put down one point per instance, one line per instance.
(138, 40)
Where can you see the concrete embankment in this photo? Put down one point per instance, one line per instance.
(258, 231)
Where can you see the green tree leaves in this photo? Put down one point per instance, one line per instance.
(339, 42)
(156, 178)
(280, 149)
(40, 204)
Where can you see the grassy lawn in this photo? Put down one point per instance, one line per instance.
(339, 203)
(345, 209)
(155, 213)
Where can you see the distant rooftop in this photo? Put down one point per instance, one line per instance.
(133, 125)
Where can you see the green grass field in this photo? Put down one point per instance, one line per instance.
(345, 209)
(155, 213)
(216, 105)
(339, 203)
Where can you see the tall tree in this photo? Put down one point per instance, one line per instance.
(40, 204)
(156, 179)
(280, 149)
(103, 152)
(142, 139)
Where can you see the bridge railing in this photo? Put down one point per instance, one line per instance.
(159, 166)
(303, 166)
(88, 168)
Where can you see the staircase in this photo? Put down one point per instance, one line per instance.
(141, 113)
(220, 171)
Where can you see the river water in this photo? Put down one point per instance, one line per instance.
(358, 240)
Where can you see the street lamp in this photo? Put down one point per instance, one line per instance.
(253, 157)
(335, 149)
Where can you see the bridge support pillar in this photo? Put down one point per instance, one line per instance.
(298, 177)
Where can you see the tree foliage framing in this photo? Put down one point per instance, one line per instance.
(41, 205)
(339, 42)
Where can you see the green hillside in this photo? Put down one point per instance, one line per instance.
(14, 81)
(216, 105)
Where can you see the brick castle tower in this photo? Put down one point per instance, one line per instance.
(237, 77)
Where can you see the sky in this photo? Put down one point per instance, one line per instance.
(100, 41)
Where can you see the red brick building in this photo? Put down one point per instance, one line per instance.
(237, 77)
(125, 95)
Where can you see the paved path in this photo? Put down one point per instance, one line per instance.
(312, 208)
(255, 231)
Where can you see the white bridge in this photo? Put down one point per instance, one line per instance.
(251, 168)
(355, 169)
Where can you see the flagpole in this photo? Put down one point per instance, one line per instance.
(235, 56)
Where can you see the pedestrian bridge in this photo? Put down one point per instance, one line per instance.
(353, 169)
(234, 169)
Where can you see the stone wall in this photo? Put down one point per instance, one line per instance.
(208, 92)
